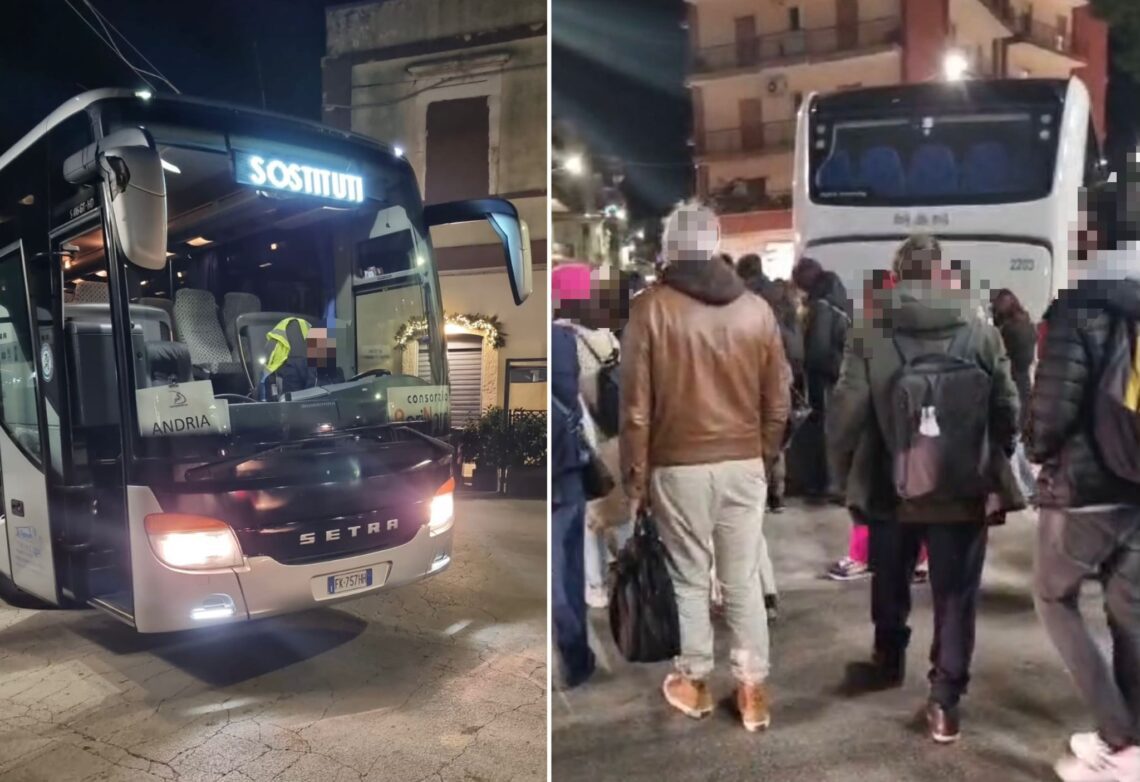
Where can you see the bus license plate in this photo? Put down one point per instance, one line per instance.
(350, 582)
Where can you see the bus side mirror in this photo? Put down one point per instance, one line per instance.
(130, 164)
(511, 229)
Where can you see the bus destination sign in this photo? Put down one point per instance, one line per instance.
(293, 177)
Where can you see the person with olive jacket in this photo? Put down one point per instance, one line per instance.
(924, 312)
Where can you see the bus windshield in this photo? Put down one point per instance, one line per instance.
(283, 312)
(958, 155)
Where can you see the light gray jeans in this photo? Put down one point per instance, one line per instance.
(723, 503)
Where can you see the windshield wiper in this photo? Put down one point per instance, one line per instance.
(232, 461)
(427, 438)
(207, 469)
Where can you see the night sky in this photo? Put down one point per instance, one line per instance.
(618, 76)
(206, 47)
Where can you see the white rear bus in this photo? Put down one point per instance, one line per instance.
(993, 169)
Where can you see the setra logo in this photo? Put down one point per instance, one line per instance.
(331, 535)
(179, 400)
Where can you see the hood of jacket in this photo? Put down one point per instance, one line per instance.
(708, 281)
(914, 308)
(828, 287)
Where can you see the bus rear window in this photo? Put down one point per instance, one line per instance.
(931, 159)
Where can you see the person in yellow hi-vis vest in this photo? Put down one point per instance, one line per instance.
(301, 357)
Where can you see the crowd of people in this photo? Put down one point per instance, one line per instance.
(928, 411)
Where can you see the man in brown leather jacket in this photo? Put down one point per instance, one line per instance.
(704, 399)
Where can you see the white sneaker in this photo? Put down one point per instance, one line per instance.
(597, 597)
(1088, 747)
(1107, 766)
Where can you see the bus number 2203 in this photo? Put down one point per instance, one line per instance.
(1021, 264)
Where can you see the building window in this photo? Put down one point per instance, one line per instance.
(797, 100)
(794, 18)
(458, 149)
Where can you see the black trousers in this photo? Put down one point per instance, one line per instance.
(957, 553)
(819, 388)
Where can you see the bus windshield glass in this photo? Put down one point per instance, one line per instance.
(299, 299)
(959, 155)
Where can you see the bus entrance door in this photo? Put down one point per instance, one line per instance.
(28, 559)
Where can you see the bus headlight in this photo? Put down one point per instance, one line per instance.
(442, 509)
(189, 542)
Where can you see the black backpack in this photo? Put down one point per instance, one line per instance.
(939, 435)
(607, 414)
(1116, 421)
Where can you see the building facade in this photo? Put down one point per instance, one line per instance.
(754, 61)
(460, 87)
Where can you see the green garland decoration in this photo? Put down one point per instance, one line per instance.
(488, 325)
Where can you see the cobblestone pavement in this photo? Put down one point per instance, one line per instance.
(1016, 719)
(444, 680)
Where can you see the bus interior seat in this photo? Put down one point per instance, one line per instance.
(168, 362)
(836, 174)
(985, 168)
(199, 328)
(166, 305)
(235, 304)
(881, 172)
(90, 292)
(1026, 172)
(933, 171)
(68, 296)
(154, 322)
(95, 401)
(253, 339)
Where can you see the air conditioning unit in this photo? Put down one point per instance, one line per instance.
(776, 86)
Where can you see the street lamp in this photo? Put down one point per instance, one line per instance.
(574, 165)
(955, 66)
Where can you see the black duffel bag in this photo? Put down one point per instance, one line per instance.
(643, 608)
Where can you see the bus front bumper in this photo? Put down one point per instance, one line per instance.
(167, 600)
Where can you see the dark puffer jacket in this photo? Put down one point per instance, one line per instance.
(1058, 434)
(828, 321)
(779, 298)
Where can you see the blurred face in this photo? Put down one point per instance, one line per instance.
(607, 307)
(321, 348)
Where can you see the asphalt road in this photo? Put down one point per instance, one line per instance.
(1016, 719)
(444, 680)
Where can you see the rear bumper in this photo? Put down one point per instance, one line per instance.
(167, 600)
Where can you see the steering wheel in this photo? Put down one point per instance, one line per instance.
(370, 373)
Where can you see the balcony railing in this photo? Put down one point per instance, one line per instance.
(763, 137)
(1021, 23)
(1045, 35)
(737, 200)
(763, 49)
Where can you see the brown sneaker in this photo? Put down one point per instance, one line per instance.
(752, 703)
(688, 696)
(943, 723)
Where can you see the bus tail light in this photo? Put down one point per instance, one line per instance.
(190, 542)
(442, 509)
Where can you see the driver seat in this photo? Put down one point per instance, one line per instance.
(251, 331)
